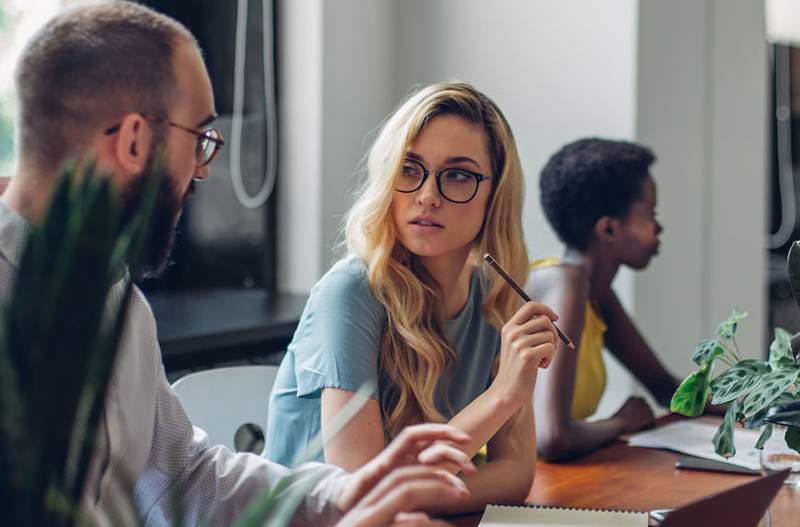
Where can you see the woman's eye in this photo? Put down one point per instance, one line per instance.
(457, 176)
(411, 171)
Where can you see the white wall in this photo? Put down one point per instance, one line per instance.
(702, 107)
(336, 61)
(559, 70)
(686, 77)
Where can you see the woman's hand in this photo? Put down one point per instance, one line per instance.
(527, 343)
(405, 477)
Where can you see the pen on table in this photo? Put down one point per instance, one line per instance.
(521, 292)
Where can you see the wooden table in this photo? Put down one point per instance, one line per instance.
(623, 477)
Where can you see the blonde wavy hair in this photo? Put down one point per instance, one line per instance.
(415, 352)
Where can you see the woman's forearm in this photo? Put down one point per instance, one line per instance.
(505, 481)
(482, 418)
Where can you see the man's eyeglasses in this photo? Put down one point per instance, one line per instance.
(209, 141)
(457, 185)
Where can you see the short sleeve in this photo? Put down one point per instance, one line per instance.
(337, 342)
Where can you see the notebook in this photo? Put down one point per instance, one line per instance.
(742, 506)
(504, 515)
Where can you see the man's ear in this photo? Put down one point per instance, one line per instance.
(606, 229)
(132, 143)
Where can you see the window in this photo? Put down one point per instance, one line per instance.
(19, 19)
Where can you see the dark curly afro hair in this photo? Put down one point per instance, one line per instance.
(589, 179)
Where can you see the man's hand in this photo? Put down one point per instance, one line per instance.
(405, 477)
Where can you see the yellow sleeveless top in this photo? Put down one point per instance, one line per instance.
(590, 373)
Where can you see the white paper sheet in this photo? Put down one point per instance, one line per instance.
(695, 438)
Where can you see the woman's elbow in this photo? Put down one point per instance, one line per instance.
(555, 447)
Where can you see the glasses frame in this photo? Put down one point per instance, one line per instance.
(218, 141)
(425, 173)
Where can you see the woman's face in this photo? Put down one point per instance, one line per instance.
(427, 224)
(640, 230)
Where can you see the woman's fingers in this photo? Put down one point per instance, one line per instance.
(531, 310)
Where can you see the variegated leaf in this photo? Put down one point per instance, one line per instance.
(723, 439)
(760, 418)
(727, 329)
(768, 389)
(737, 380)
(707, 351)
(691, 396)
(780, 351)
(792, 438)
(764, 437)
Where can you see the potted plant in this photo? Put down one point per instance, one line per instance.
(758, 393)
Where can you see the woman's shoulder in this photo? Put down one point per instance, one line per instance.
(551, 275)
(345, 283)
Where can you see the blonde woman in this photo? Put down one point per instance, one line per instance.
(411, 309)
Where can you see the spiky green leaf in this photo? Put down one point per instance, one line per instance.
(737, 380)
(727, 329)
(707, 351)
(691, 396)
(767, 390)
(723, 439)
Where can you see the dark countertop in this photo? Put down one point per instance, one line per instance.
(216, 325)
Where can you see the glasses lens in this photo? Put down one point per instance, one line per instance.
(458, 185)
(411, 176)
(206, 146)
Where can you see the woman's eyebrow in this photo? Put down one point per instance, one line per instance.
(462, 159)
(455, 159)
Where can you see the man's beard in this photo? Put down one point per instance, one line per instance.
(166, 213)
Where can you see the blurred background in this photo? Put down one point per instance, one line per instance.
(712, 86)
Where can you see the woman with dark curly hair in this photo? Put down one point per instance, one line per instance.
(600, 199)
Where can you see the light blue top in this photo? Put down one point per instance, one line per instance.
(337, 344)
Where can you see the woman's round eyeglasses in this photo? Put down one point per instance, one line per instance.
(457, 185)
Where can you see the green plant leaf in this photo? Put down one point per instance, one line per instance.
(707, 351)
(723, 439)
(764, 437)
(780, 351)
(691, 396)
(793, 266)
(767, 390)
(727, 329)
(792, 438)
(760, 418)
(737, 380)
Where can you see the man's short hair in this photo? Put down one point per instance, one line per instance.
(88, 66)
(588, 179)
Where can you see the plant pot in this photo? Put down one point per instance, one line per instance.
(777, 456)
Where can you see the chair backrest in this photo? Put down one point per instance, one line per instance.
(222, 400)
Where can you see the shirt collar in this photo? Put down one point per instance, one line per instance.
(14, 231)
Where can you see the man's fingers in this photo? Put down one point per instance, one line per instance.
(417, 519)
(441, 453)
(417, 475)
